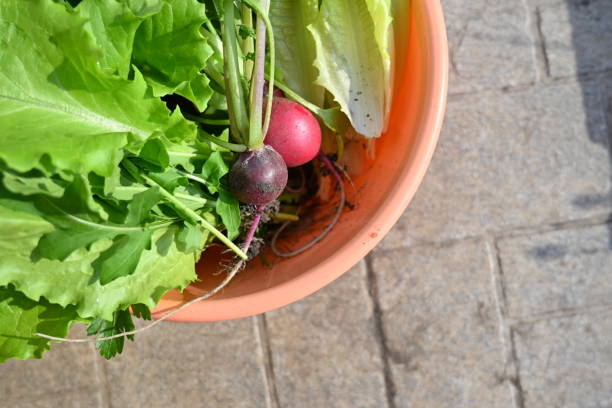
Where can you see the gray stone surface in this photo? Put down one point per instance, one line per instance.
(489, 43)
(190, 365)
(324, 348)
(442, 327)
(558, 270)
(577, 35)
(566, 362)
(87, 398)
(67, 370)
(511, 160)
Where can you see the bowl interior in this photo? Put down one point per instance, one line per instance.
(384, 186)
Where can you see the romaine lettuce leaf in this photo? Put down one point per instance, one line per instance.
(351, 61)
(295, 46)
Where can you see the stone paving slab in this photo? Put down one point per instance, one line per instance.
(190, 365)
(577, 35)
(558, 270)
(89, 398)
(68, 369)
(510, 160)
(489, 42)
(324, 348)
(566, 362)
(442, 326)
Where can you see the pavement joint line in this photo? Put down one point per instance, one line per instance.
(511, 363)
(516, 322)
(101, 376)
(379, 331)
(520, 393)
(531, 27)
(541, 43)
(512, 232)
(260, 326)
(579, 79)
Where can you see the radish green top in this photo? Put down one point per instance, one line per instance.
(109, 191)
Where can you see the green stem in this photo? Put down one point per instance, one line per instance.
(187, 154)
(213, 37)
(331, 117)
(195, 199)
(292, 95)
(239, 121)
(247, 43)
(238, 148)
(285, 217)
(194, 217)
(193, 177)
(263, 14)
(215, 75)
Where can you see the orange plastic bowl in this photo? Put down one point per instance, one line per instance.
(384, 186)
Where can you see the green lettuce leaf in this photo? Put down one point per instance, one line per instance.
(21, 317)
(68, 282)
(381, 12)
(57, 102)
(113, 24)
(170, 51)
(295, 46)
(20, 184)
(350, 62)
(228, 208)
(78, 225)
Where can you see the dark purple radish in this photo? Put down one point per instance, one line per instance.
(293, 132)
(258, 176)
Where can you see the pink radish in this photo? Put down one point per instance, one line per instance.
(293, 132)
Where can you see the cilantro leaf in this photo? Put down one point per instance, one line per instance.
(121, 322)
(141, 311)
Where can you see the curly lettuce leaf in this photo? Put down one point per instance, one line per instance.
(21, 317)
(170, 51)
(57, 102)
(68, 282)
(113, 24)
(350, 59)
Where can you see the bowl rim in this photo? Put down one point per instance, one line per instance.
(383, 220)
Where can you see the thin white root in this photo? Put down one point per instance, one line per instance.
(327, 229)
(239, 265)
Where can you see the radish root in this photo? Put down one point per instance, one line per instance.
(330, 166)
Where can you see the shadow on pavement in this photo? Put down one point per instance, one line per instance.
(591, 22)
